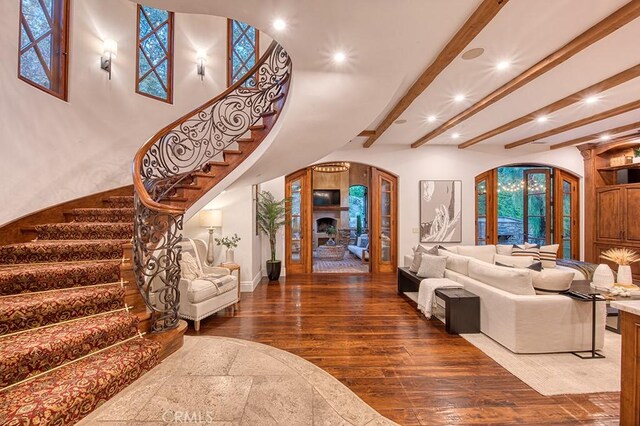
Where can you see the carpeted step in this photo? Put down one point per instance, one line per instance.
(102, 215)
(33, 278)
(60, 251)
(33, 352)
(85, 231)
(120, 201)
(66, 395)
(31, 310)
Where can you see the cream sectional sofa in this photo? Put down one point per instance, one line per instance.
(512, 314)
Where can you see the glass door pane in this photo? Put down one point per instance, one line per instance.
(297, 192)
(382, 241)
(481, 212)
(296, 221)
(385, 221)
(537, 207)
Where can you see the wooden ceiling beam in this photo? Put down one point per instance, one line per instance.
(367, 133)
(611, 23)
(609, 83)
(487, 10)
(574, 125)
(595, 137)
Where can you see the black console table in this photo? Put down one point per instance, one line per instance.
(461, 310)
(587, 296)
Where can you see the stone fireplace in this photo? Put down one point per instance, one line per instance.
(325, 222)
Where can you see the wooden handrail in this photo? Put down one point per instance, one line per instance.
(139, 187)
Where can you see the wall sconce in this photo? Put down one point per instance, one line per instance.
(110, 51)
(200, 61)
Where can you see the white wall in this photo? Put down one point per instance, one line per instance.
(53, 151)
(446, 162)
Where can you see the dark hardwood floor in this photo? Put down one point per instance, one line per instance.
(406, 367)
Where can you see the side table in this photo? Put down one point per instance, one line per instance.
(593, 297)
(233, 267)
(461, 310)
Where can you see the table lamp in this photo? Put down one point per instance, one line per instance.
(210, 219)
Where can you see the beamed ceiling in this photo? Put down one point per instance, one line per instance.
(576, 64)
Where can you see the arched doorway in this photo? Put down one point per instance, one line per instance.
(529, 204)
(342, 219)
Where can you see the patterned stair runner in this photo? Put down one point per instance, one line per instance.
(67, 341)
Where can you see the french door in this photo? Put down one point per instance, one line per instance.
(485, 209)
(383, 240)
(298, 230)
(537, 206)
(567, 216)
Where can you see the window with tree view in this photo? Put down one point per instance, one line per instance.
(42, 60)
(155, 53)
(358, 208)
(242, 51)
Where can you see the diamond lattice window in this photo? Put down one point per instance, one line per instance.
(42, 60)
(242, 51)
(155, 53)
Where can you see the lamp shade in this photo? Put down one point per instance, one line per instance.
(210, 218)
(110, 47)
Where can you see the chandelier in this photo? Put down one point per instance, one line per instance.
(337, 167)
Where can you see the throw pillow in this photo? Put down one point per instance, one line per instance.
(503, 265)
(551, 281)
(418, 251)
(549, 255)
(512, 280)
(189, 266)
(536, 266)
(523, 250)
(363, 241)
(432, 266)
(517, 261)
(504, 249)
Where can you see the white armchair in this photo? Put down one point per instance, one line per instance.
(204, 290)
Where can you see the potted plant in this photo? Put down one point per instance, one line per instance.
(230, 243)
(624, 258)
(270, 218)
(331, 232)
(636, 155)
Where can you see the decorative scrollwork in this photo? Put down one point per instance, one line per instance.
(190, 146)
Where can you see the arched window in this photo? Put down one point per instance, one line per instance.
(154, 76)
(533, 204)
(44, 36)
(242, 51)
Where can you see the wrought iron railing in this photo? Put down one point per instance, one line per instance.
(186, 146)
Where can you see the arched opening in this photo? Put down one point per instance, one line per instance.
(336, 207)
(529, 204)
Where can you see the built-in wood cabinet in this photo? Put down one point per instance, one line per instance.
(612, 200)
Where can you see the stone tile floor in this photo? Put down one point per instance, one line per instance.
(224, 381)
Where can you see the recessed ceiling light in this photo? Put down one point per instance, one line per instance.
(605, 137)
(431, 118)
(455, 136)
(591, 100)
(401, 121)
(503, 65)
(279, 24)
(339, 57)
(459, 97)
(472, 53)
(542, 119)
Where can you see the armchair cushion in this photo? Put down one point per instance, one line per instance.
(189, 267)
(201, 290)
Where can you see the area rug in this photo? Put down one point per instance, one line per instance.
(558, 374)
(349, 264)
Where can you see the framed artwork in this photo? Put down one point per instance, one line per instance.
(440, 211)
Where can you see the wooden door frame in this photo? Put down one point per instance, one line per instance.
(558, 228)
(306, 249)
(548, 202)
(375, 243)
(490, 177)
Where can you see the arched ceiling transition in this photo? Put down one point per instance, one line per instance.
(389, 44)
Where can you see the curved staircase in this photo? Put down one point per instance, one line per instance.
(79, 288)
(69, 339)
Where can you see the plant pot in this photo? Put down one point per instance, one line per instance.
(603, 277)
(624, 274)
(229, 256)
(273, 269)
